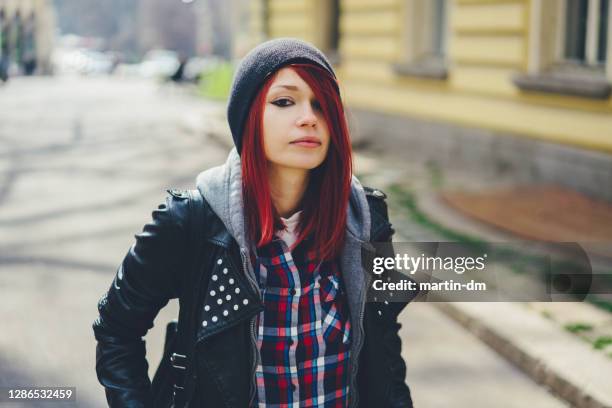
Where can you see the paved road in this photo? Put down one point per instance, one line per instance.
(83, 162)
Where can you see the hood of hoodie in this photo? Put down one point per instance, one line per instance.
(221, 187)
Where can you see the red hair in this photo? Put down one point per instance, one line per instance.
(324, 204)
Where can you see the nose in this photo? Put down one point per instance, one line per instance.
(307, 116)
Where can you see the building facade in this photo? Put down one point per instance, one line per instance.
(519, 87)
(27, 31)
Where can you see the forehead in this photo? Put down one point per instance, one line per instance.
(288, 77)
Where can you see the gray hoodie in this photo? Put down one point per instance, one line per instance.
(221, 186)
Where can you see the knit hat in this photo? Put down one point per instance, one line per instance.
(256, 66)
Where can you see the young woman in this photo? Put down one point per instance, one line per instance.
(277, 313)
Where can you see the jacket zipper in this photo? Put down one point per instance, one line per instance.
(253, 322)
(355, 364)
(356, 353)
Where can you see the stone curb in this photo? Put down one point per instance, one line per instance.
(547, 355)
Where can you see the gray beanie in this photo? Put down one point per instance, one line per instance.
(256, 66)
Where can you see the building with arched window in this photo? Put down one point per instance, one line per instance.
(517, 87)
(27, 30)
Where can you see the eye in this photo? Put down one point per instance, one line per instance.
(283, 102)
(316, 105)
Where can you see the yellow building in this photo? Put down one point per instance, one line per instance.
(519, 86)
(27, 29)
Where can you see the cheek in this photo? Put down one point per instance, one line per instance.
(326, 137)
(273, 135)
(324, 127)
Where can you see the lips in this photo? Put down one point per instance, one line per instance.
(307, 141)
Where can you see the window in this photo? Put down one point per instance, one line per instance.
(437, 28)
(425, 38)
(569, 45)
(334, 27)
(328, 38)
(584, 35)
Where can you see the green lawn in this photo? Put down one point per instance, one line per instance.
(216, 82)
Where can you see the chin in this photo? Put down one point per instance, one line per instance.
(305, 161)
(303, 164)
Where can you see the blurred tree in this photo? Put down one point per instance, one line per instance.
(113, 20)
(169, 24)
(131, 26)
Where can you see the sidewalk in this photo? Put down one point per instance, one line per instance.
(447, 366)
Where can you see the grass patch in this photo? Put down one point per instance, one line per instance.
(602, 342)
(408, 200)
(546, 314)
(600, 303)
(578, 327)
(436, 175)
(216, 82)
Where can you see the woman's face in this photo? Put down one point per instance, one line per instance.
(295, 134)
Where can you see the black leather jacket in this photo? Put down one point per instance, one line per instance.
(220, 374)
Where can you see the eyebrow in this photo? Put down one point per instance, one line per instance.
(290, 87)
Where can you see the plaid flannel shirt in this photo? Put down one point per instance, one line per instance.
(304, 330)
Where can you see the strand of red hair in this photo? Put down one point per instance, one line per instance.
(325, 201)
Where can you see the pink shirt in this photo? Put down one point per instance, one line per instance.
(289, 234)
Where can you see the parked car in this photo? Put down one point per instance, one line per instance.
(159, 63)
(82, 61)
